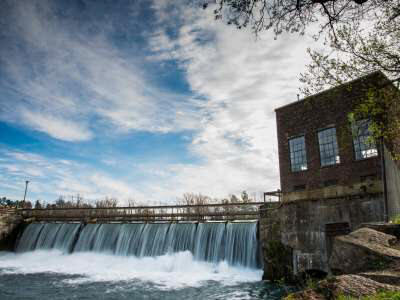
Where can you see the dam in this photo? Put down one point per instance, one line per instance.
(212, 251)
(218, 232)
(235, 243)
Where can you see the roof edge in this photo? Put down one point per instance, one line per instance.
(333, 88)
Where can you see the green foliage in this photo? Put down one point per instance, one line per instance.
(311, 283)
(355, 51)
(4, 201)
(396, 219)
(383, 295)
(291, 296)
(379, 264)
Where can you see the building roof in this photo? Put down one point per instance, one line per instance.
(369, 78)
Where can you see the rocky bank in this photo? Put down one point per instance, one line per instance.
(363, 263)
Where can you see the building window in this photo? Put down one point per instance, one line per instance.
(299, 187)
(330, 182)
(298, 156)
(328, 147)
(364, 146)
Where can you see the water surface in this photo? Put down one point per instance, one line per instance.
(52, 274)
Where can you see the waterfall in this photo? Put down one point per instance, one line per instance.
(235, 243)
(48, 236)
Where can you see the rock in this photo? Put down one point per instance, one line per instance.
(374, 236)
(358, 286)
(348, 285)
(386, 276)
(388, 228)
(361, 251)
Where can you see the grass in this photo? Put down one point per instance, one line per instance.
(384, 295)
(396, 219)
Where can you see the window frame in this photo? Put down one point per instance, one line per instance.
(337, 158)
(305, 153)
(354, 137)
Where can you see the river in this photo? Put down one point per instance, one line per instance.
(54, 275)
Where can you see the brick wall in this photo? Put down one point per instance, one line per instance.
(306, 117)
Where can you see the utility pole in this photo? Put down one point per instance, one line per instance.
(26, 189)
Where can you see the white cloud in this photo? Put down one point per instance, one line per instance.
(56, 127)
(67, 77)
(236, 80)
(243, 80)
(50, 178)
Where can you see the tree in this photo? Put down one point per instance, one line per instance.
(361, 36)
(245, 196)
(8, 202)
(356, 51)
(131, 202)
(293, 15)
(27, 204)
(107, 202)
(38, 205)
(60, 202)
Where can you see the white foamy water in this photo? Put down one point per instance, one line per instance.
(168, 271)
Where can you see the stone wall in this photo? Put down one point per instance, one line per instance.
(295, 239)
(10, 225)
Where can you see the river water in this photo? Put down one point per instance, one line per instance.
(55, 275)
(136, 261)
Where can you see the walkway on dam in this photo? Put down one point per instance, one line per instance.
(161, 213)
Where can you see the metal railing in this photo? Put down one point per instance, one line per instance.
(197, 212)
(7, 211)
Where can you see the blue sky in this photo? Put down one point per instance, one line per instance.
(139, 100)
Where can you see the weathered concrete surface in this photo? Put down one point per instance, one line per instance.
(393, 184)
(363, 250)
(301, 227)
(349, 285)
(10, 225)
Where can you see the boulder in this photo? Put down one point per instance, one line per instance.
(385, 276)
(348, 285)
(388, 228)
(374, 236)
(363, 250)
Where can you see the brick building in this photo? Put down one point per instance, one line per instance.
(321, 154)
(331, 174)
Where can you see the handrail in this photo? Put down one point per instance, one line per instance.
(7, 210)
(150, 207)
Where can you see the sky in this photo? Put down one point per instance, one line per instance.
(142, 100)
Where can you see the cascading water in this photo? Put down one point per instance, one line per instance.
(235, 243)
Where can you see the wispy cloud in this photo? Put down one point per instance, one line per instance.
(76, 83)
(56, 127)
(243, 80)
(50, 178)
(65, 78)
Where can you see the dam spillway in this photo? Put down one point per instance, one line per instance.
(233, 242)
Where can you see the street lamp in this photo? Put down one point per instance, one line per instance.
(26, 189)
